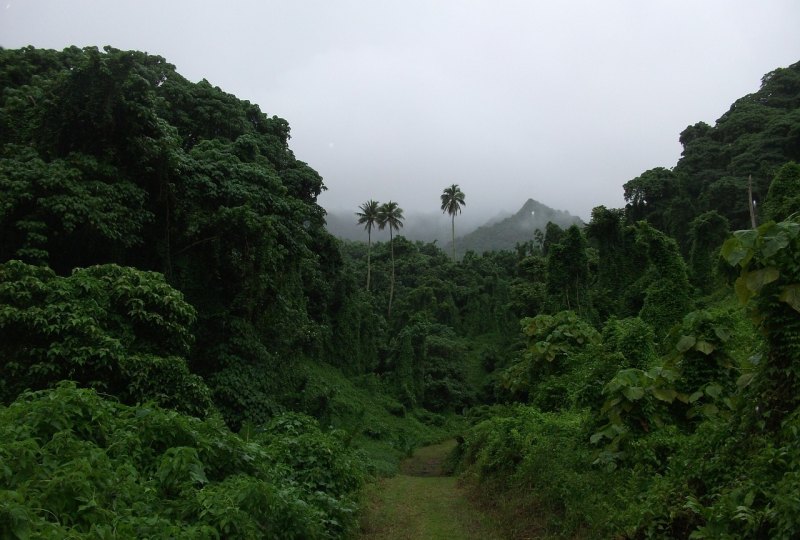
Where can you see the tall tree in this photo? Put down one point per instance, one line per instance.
(368, 217)
(392, 215)
(568, 271)
(783, 197)
(452, 201)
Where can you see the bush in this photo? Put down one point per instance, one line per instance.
(120, 330)
(77, 465)
(543, 458)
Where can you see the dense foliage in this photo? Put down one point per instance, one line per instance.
(76, 465)
(756, 137)
(161, 244)
(692, 433)
(119, 330)
(185, 352)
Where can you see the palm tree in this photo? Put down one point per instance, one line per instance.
(392, 215)
(452, 201)
(368, 217)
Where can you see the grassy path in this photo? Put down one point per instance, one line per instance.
(420, 503)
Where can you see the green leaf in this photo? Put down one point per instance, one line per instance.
(694, 397)
(628, 377)
(685, 343)
(713, 390)
(704, 347)
(742, 292)
(709, 409)
(773, 244)
(756, 279)
(665, 394)
(733, 251)
(730, 402)
(791, 295)
(745, 380)
(723, 333)
(748, 237)
(633, 393)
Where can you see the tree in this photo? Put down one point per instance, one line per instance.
(768, 261)
(783, 197)
(568, 270)
(666, 297)
(452, 201)
(369, 218)
(113, 157)
(392, 215)
(707, 232)
(122, 331)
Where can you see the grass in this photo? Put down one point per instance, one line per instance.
(420, 503)
(377, 424)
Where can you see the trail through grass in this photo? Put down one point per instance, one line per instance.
(420, 503)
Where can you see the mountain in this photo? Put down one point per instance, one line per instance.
(504, 231)
(507, 233)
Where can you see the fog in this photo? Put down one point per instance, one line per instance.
(562, 102)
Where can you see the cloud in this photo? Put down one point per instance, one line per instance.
(560, 102)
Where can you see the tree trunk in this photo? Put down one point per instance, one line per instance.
(750, 201)
(391, 283)
(369, 250)
(453, 228)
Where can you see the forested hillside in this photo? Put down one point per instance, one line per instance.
(759, 133)
(498, 234)
(519, 228)
(664, 403)
(185, 351)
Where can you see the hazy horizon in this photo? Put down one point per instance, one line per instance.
(559, 102)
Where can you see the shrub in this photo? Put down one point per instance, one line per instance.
(543, 458)
(120, 330)
(77, 465)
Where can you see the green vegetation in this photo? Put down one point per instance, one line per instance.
(691, 432)
(422, 503)
(186, 352)
(391, 215)
(368, 217)
(452, 201)
(78, 465)
(519, 228)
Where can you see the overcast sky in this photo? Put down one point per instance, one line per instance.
(560, 101)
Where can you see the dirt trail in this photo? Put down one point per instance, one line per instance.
(421, 504)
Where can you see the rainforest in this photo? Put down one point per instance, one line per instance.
(187, 352)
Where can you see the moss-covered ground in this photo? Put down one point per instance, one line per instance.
(421, 502)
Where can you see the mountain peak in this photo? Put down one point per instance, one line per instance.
(532, 205)
(516, 229)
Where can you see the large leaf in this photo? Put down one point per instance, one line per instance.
(772, 244)
(742, 292)
(685, 343)
(665, 394)
(723, 333)
(791, 295)
(756, 279)
(713, 390)
(709, 409)
(694, 397)
(704, 347)
(633, 393)
(733, 251)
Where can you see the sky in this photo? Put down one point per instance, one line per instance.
(559, 101)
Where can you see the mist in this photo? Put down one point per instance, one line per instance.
(562, 103)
